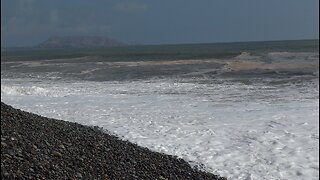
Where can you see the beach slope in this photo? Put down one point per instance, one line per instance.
(35, 147)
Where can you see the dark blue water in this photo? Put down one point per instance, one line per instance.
(240, 61)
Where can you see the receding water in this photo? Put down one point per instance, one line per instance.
(251, 115)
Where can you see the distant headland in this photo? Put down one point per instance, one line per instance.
(79, 42)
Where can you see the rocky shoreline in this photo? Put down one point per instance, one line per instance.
(36, 147)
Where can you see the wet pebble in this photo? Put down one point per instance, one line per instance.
(35, 147)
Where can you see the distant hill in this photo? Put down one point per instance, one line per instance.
(79, 42)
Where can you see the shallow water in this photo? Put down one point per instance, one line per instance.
(240, 131)
(250, 116)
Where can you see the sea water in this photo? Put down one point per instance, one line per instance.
(243, 117)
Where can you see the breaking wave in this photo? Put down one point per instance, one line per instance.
(28, 91)
(288, 63)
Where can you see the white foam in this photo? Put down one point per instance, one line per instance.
(17, 90)
(247, 56)
(240, 131)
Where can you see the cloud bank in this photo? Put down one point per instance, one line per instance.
(130, 7)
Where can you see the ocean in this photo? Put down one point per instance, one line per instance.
(242, 110)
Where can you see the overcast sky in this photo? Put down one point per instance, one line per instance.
(28, 22)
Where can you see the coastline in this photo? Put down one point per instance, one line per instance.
(36, 147)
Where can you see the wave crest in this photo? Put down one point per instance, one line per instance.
(27, 91)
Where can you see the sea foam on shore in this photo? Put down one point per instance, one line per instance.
(35, 147)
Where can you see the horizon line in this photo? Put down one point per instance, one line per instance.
(171, 44)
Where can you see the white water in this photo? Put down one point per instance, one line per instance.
(239, 131)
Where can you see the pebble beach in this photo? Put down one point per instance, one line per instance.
(36, 147)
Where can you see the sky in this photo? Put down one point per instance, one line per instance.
(29, 22)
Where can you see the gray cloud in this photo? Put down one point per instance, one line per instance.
(26, 22)
(31, 20)
(54, 18)
(25, 6)
(130, 7)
